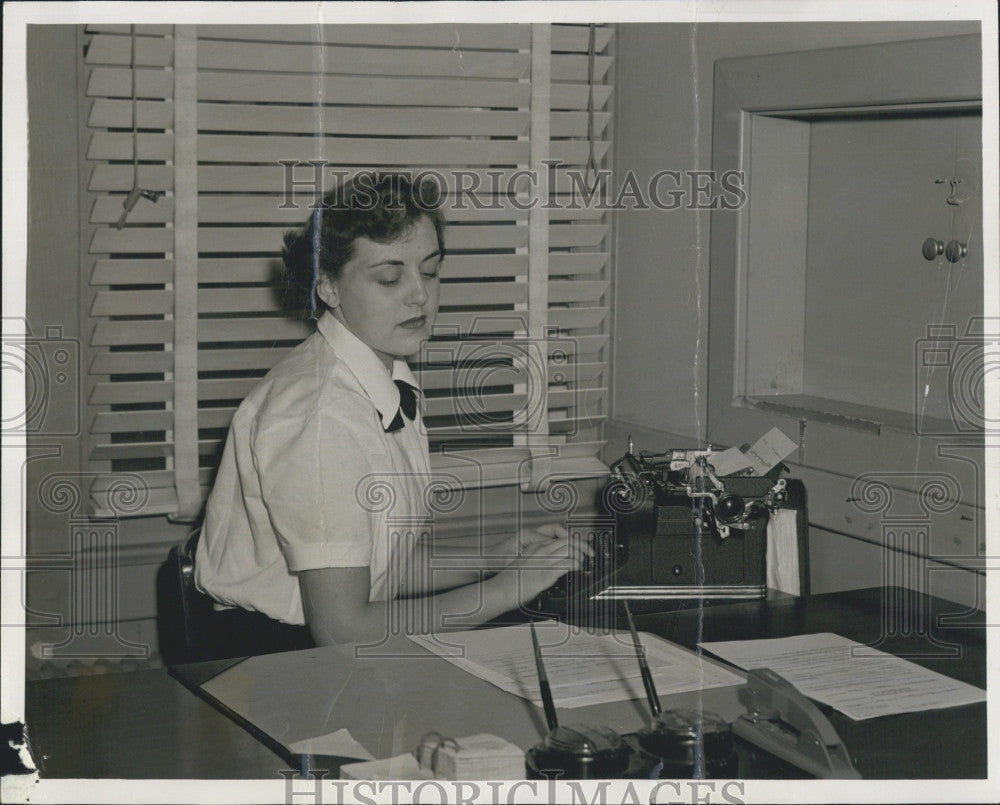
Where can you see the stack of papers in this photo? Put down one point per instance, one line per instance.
(583, 668)
(857, 680)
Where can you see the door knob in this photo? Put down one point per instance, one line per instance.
(932, 249)
(955, 251)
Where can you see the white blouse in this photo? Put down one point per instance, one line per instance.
(310, 478)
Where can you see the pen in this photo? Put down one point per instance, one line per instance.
(647, 677)
(543, 683)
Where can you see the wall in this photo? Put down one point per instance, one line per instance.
(664, 105)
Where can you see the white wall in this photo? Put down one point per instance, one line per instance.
(664, 102)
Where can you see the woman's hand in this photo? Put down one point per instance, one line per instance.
(544, 555)
(516, 544)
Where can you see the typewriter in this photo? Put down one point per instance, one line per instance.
(675, 534)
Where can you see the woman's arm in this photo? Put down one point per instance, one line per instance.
(435, 567)
(337, 609)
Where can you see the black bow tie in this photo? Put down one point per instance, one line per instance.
(407, 405)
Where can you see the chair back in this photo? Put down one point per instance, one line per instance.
(192, 629)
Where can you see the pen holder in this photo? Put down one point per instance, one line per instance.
(692, 745)
(581, 752)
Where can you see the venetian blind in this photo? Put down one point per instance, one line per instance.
(188, 308)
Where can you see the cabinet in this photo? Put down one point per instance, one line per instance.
(827, 320)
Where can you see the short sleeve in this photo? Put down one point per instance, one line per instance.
(309, 470)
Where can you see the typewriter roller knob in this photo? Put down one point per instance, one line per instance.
(730, 507)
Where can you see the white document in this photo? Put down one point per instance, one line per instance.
(583, 668)
(729, 461)
(340, 744)
(768, 450)
(855, 679)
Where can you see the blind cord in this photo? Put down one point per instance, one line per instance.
(135, 193)
(591, 169)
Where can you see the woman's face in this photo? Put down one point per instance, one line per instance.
(387, 294)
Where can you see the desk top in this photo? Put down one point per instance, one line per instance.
(146, 725)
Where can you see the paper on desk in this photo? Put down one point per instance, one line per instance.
(337, 744)
(583, 668)
(772, 447)
(858, 680)
(400, 767)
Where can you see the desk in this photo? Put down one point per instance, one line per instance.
(146, 725)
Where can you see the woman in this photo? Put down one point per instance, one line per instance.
(294, 527)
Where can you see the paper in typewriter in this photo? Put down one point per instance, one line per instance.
(583, 668)
(857, 680)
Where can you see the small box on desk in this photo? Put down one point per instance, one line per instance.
(479, 757)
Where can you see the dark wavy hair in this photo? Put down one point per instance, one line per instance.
(382, 207)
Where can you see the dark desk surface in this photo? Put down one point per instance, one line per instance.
(147, 725)
(937, 634)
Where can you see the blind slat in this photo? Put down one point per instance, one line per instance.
(104, 178)
(125, 421)
(129, 333)
(563, 292)
(116, 82)
(283, 57)
(291, 88)
(267, 239)
(132, 303)
(149, 51)
(265, 178)
(131, 272)
(469, 36)
(575, 318)
(126, 363)
(272, 209)
(112, 113)
(256, 358)
(372, 121)
(576, 96)
(472, 408)
(357, 150)
(132, 392)
(455, 266)
(563, 236)
(110, 452)
(132, 240)
(107, 209)
(242, 300)
(578, 263)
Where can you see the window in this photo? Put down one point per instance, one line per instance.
(231, 129)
